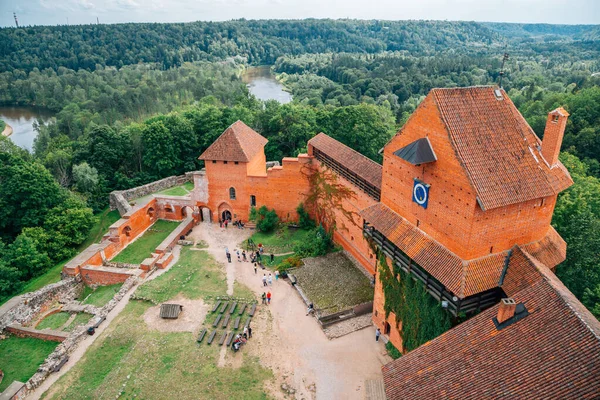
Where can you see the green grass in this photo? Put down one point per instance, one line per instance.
(21, 357)
(131, 360)
(140, 249)
(2, 126)
(100, 296)
(181, 190)
(80, 319)
(281, 241)
(105, 219)
(54, 321)
(196, 275)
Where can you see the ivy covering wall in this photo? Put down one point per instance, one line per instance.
(423, 318)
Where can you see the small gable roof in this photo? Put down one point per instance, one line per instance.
(497, 148)
(239, 142)
(417, 152)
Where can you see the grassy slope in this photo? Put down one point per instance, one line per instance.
(282, 241)
(21, 357)
(105, 219)
(142, 247)
(182, 190)
(54, 321)
(100, 296)
(163, 365)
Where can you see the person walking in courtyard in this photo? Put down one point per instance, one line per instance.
(268, 297)
(249, 331)
(245, 334)
(310, 309)
(244, 255)
(264, 279)
(272, 258)
(264, 298)
(276, 275)
(270, 280)
(377, 334)
(255, 268)
(238, 255)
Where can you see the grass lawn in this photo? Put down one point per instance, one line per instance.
(80, 319)
(196, 275)
(142, 247)
(181, 190)
(132, 361)
(100, 296)
(54, 321)
(105, 219)
(281, 241)
(333, 283)
(21, 357)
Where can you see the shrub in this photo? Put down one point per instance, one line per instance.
(318, 244)
(304, 219)
(392, 350)
(266, 220)
(288, 263)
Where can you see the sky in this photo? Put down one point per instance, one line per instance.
(53, 12)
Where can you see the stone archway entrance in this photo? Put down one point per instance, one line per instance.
(226, 215)
(206, 214)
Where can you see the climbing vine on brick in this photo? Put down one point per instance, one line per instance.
(422, 317)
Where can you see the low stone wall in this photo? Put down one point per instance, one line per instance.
(33, 303)
(44, 334)
(134, 193)
(171, 240)
(103, 276)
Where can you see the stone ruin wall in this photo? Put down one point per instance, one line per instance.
(120, 199)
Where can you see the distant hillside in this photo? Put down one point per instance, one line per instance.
(546, 31)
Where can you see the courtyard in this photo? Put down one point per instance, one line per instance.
(140, 356)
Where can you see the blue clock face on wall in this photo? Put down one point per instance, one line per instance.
(420, 193)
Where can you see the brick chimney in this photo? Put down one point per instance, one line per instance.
(506, 310)
(553, 134)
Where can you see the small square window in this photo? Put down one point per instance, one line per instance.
(214, 161)
(252, 200)
(224, 162)
(236, 163)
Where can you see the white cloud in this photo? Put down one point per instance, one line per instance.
(128, 4)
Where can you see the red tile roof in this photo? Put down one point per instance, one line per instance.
(554, 352)
(462, 277)
(362, 166)
(239, 142)
(498, 149)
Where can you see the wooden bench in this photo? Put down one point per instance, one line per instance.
(242, 308)
(211, 337)
(222, 340)
(223, 308)
(233, 306)
(229, 338)
(225, 321)
(201, 335)
(60, 364)
(217, 320)
(252, 310)
(247, 324)
(292, 279)
(236, 323)
(216, 306)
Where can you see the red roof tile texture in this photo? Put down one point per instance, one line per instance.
(553, 353)
(497, 148)
(462, 277)
(362, 166)
(239, 143)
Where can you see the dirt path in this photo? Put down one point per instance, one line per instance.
(292, 344)
(89, 340)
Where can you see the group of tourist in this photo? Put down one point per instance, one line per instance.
(237, 223)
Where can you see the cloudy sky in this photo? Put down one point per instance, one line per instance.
(52, 12)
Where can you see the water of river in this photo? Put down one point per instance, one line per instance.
(21, 119)
(262, 84)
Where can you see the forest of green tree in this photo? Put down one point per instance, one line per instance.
(139, 102)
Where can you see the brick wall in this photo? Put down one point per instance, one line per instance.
(55, 336)
(453, 216)
(379, 318)
(103, 276)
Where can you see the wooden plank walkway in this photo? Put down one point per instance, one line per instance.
(242, 308)
(201, 335)
(236, 323)
(252, 310)
(230, 338)
(216, 306)
(232, 308)
(222, 340)
(217, 321)
(225, 321)
(211, 337)
(223, 308)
